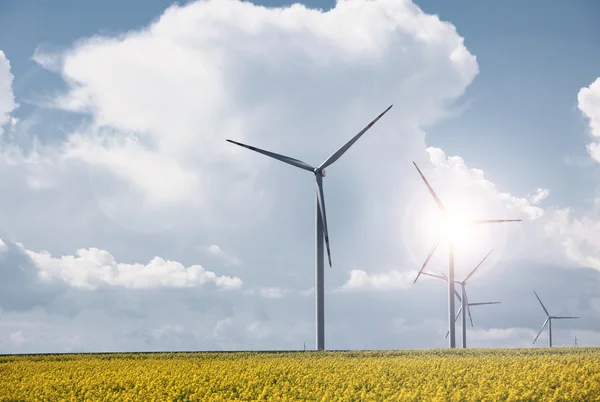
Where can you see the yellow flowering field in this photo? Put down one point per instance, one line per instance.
(560, 374)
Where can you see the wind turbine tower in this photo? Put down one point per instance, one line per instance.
(321, 231)
(549, 322)
(451, 290)
(464, 300)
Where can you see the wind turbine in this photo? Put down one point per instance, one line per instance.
(464, 300)
(451, 291)
(321, 231)
(548, 321)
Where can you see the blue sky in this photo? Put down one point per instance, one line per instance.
(131, 164)
(534, 58)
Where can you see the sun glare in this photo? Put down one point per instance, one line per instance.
(424, 225)
(454, 228)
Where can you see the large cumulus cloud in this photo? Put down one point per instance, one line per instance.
(7, 99)
(163, 99)
(588, 101)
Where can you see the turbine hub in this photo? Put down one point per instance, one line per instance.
(320, 172)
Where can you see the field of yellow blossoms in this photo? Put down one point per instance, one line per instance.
(560, 374)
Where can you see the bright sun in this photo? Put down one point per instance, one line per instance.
(454, 227)
(426, 225)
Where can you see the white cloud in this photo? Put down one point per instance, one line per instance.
(361, 280)
(166, 331)
(7, 99)
(588, 101)
(163, 144)
(307, 292)
(258, 329)
(272, 293)
(574, 230)
(159, 178)
(540, 195)
(552, 235)
(453, 172)
(577, 236)
(92, 268)
(222, 326)
(467, 194)
(218, 252)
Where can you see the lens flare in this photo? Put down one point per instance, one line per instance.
(424, 224)
(454, 228)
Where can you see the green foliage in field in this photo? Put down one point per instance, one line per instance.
(560, 374)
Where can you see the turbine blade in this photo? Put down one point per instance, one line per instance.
(468, 308)
(282, 158)
(543, 326)
(458, 296)
(480, 221)
(321, 199)
(435, 276)
(336, 155)
(482, 303)
(478, 265)
(427, 260)
(433, 194)
(455, 318)
(445, 278)
(458, 313)
(544, 307)
(563, 318)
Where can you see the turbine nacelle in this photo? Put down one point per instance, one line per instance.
(320, 172)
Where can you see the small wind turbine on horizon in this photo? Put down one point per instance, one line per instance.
(451, 290)
(464, 300)
(321, 231)
(548, 322)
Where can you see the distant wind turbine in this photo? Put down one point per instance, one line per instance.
(548, 322)
(465, 305)
(451, 291)
(321, 231)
